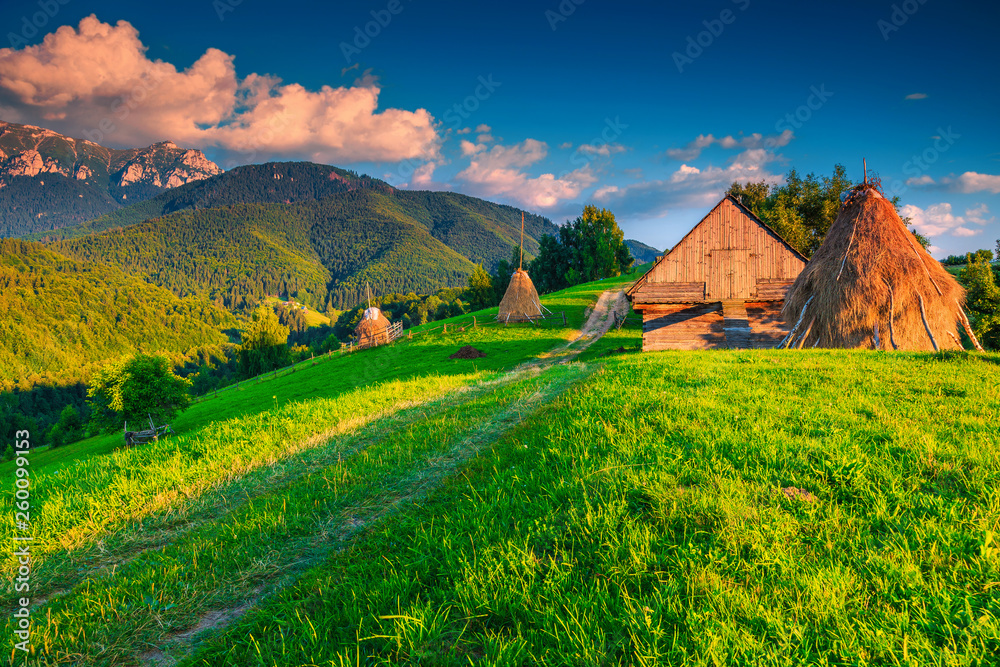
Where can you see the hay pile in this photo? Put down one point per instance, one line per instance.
(871, 285)
(373, 329)
(520, 303)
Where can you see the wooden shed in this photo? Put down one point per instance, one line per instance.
(722, 286)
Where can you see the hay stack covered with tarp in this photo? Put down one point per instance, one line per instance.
(872, 285)
(520, 303)
(373, 329)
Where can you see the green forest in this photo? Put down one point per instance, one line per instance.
(321, 253)
(65, 317)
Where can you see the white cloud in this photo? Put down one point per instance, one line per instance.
(967, 183)
(497, 172)
(938, 219)
(483, 127)
(971, 181)
(917, 182)
(603, 150)
(754, 141)
(688, 186)
(96, 81)
(916, 96)
(978, 215)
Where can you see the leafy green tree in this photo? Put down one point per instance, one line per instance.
(135, 390)
(982, 299)
(752, 195)
(921, 239)
(68, 429)
(265, 343)
(801, 210)
(480, 291)
(603, 250)
(589, 248)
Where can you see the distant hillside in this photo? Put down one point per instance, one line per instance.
(641, 252)
(480, 230)
(49, 181)
(62, 315)
(319, 252)
(270, 183)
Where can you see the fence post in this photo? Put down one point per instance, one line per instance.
(445, 325)
(473, 321)
(409, 334)
(564, 318)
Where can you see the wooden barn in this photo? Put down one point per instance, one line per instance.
(722, 286)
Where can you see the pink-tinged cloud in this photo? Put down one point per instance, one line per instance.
(498, 172)
(917, 96)
(751, 142)
(96, 82)
(938, 219)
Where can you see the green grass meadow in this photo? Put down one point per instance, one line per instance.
(393, 506)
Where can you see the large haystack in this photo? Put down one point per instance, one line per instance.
(520, 303)
(871, 285)
(373, 328)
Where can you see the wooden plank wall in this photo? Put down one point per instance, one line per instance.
(726, 227)
(766, 326)
(700, 326)
(677, 326)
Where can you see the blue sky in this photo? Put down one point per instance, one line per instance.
(649, 109)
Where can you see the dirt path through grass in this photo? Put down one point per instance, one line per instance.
(136, 554)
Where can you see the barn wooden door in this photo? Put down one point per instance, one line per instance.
(728, 276)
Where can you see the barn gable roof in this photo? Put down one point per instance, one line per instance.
(744, 210)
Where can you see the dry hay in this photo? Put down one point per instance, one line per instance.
(468, 352)
(520, 303)
(871, 285)
(373, 329)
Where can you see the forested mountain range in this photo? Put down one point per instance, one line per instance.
(321, 253)
(49, 180)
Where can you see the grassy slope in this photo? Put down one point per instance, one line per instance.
(637, 518)
(641, 519)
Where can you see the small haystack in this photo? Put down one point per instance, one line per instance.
(373, 329)
(871, 285)
(520, 302)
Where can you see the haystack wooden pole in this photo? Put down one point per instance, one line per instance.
(968, 329)
(802, 340)
(892, 315)
(923, 316)
(788, 339)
